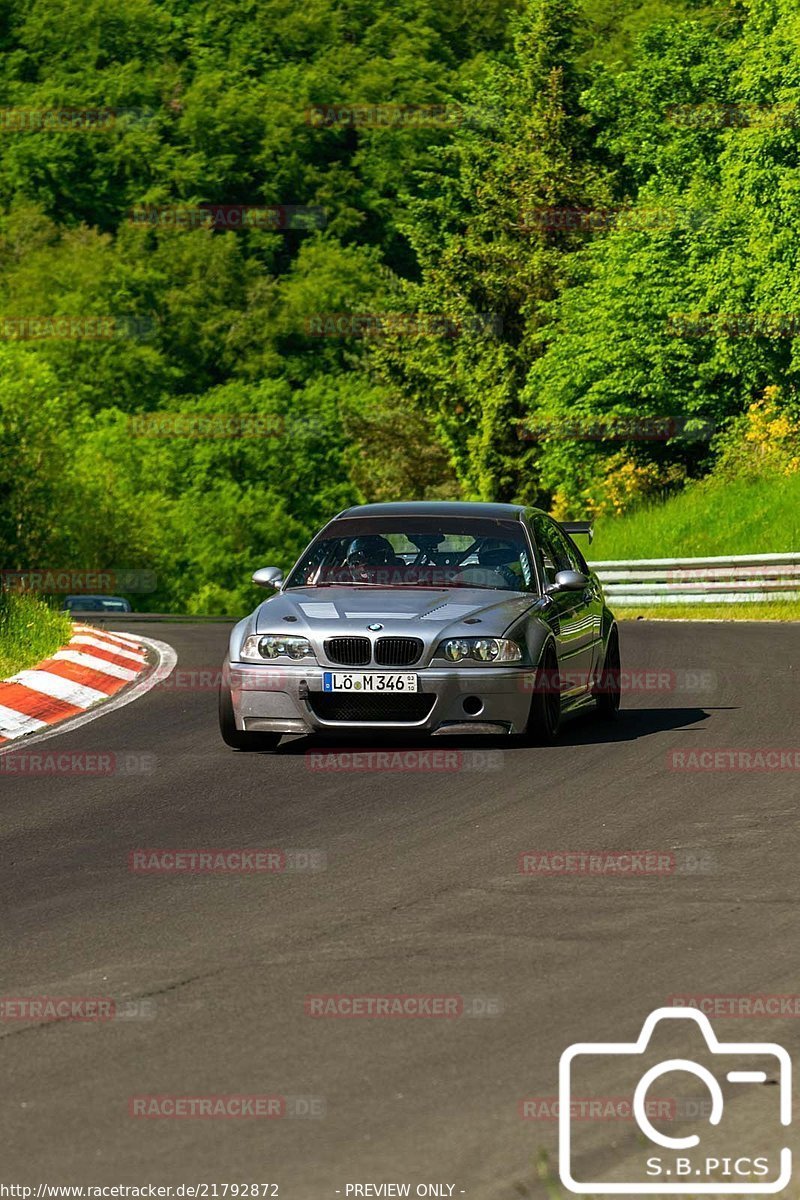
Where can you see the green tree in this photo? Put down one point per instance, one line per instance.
(481, 232)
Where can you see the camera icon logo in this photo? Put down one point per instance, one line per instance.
(661, 1162)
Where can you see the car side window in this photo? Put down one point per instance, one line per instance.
(568, 557)
(548, 551)
(558, 553)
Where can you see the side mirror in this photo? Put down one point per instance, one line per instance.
(271, 577)
(569, 581)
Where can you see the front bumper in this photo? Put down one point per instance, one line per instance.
(477, 700)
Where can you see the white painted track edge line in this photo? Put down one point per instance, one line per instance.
(167, 661)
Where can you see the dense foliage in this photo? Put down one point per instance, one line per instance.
(30, 631)
(437, 322)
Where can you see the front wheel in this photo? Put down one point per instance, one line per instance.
(239, 739)
(545, 715)
(608, 691)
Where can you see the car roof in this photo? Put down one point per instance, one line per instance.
(82, 596)
(436, 508)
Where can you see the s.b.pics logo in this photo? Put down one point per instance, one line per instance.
(704, 1139)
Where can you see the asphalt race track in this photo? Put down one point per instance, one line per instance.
(421, 894)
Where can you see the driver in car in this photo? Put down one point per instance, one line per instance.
(373, 560)
(503, 558)
(498, 566)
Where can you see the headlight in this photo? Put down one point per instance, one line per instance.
(258, 647)
(456, 649)
(487, 650)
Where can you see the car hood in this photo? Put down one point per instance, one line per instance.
(427, 613)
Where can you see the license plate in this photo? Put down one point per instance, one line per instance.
(368, 681)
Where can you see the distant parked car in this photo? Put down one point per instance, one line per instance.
(82, 604)
(425, 617)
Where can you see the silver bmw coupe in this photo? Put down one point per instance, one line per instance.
(425, 617)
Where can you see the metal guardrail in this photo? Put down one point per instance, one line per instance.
(741, 578)
(728, 580)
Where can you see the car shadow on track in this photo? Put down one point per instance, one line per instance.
(581, 730)
(633, 723)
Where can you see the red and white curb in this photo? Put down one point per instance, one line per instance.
(88, 671)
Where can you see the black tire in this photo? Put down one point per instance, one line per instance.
(544, 719)
(238, 739)
(608, 692)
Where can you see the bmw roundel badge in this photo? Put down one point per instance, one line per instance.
(375, 627)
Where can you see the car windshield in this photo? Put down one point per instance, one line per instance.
(95, 604)
(418, 552)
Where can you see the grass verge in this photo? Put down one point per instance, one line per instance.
(748, 516)
(29, 631)
(777, 610)
(760, 516)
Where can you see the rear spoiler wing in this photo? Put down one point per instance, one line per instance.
(584, 527)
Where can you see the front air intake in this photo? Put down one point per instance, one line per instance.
(397, 651)
(349, 651)
(394, 709)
